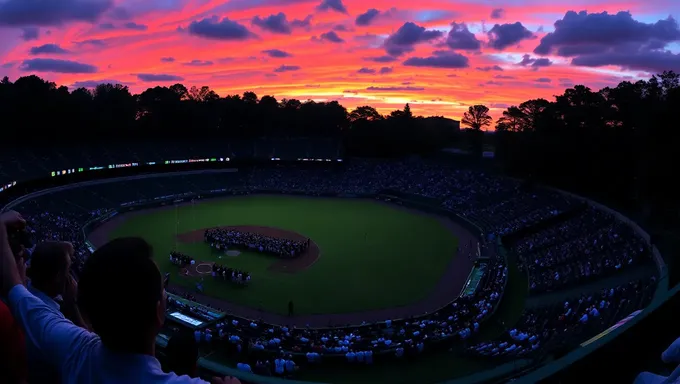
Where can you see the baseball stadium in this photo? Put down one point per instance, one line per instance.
(354, 270)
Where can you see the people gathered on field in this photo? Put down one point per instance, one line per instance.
(233, 275)
(224, 239)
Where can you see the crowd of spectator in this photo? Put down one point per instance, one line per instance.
(591, 245)
(566, 324)
(224, 239)
(587, 244)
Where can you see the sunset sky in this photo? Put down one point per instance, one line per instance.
(438, 55)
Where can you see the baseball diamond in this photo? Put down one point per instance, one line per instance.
(400, 262)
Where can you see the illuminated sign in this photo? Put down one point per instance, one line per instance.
(95, 168)
(7, 186)
(127, 165)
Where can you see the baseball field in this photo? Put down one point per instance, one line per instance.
(365, 255)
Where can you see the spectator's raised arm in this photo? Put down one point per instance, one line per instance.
(57, 338)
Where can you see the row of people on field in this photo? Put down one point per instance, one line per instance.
(225, 239)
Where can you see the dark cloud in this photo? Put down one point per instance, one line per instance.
(385, 70)
(498, 13)
(158, 77)
(135, 26)
(30, 33)
(51, 12)
(535, 63)
(543, 80)
(107, 26)
(394, 89)
(599, 39)
(381, 59)
(490, 68)
(367, 17)
(408, 35)
(199, 63)
(94, 83)
(287, 68)
(276, 53)
(329, 36)
(48, 49)
(340, 28)
(366, 71)
(57, 66)
(225, 29)
(335, 5)
(449, 60)
(504, 77)
(7, 65)
(93, 42)
(460, 37)
(491, 82)
(502, 36)
(274, 23)
(168, 59)
(304, 23)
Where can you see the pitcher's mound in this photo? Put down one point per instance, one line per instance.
(232, 253)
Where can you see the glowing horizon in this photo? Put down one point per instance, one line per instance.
(342, 50)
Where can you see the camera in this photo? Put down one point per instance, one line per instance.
(17, 239)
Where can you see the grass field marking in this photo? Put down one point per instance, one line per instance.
(200, 272)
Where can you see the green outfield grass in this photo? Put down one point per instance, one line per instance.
(372, 255)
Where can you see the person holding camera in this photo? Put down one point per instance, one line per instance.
(126, 319)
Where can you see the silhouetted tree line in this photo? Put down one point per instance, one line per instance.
(618, 143)
(37, 110)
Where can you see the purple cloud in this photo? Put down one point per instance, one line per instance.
(460, 37)
(448, 60)
(94, 83)
(502, 36)
(600, 39)
(168, 59)
(504, 77)
(367, 17)
(56, 66)
(385, 70)
(135, 26)
(535, 63)
(274, 23)
(216, 29)
(497, 13)
(408, 35)
(158, 77)
(490, 68)
(334, 5)
(330, 36)
(47, 49)
(287, 68)
(381, 59)
(30, 33)
(199, 63)
(304, 23)
(394, 89)
(50, 12)
(543, 80)
(366, 71)
(277, 53)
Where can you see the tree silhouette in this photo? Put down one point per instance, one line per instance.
(477, 117)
